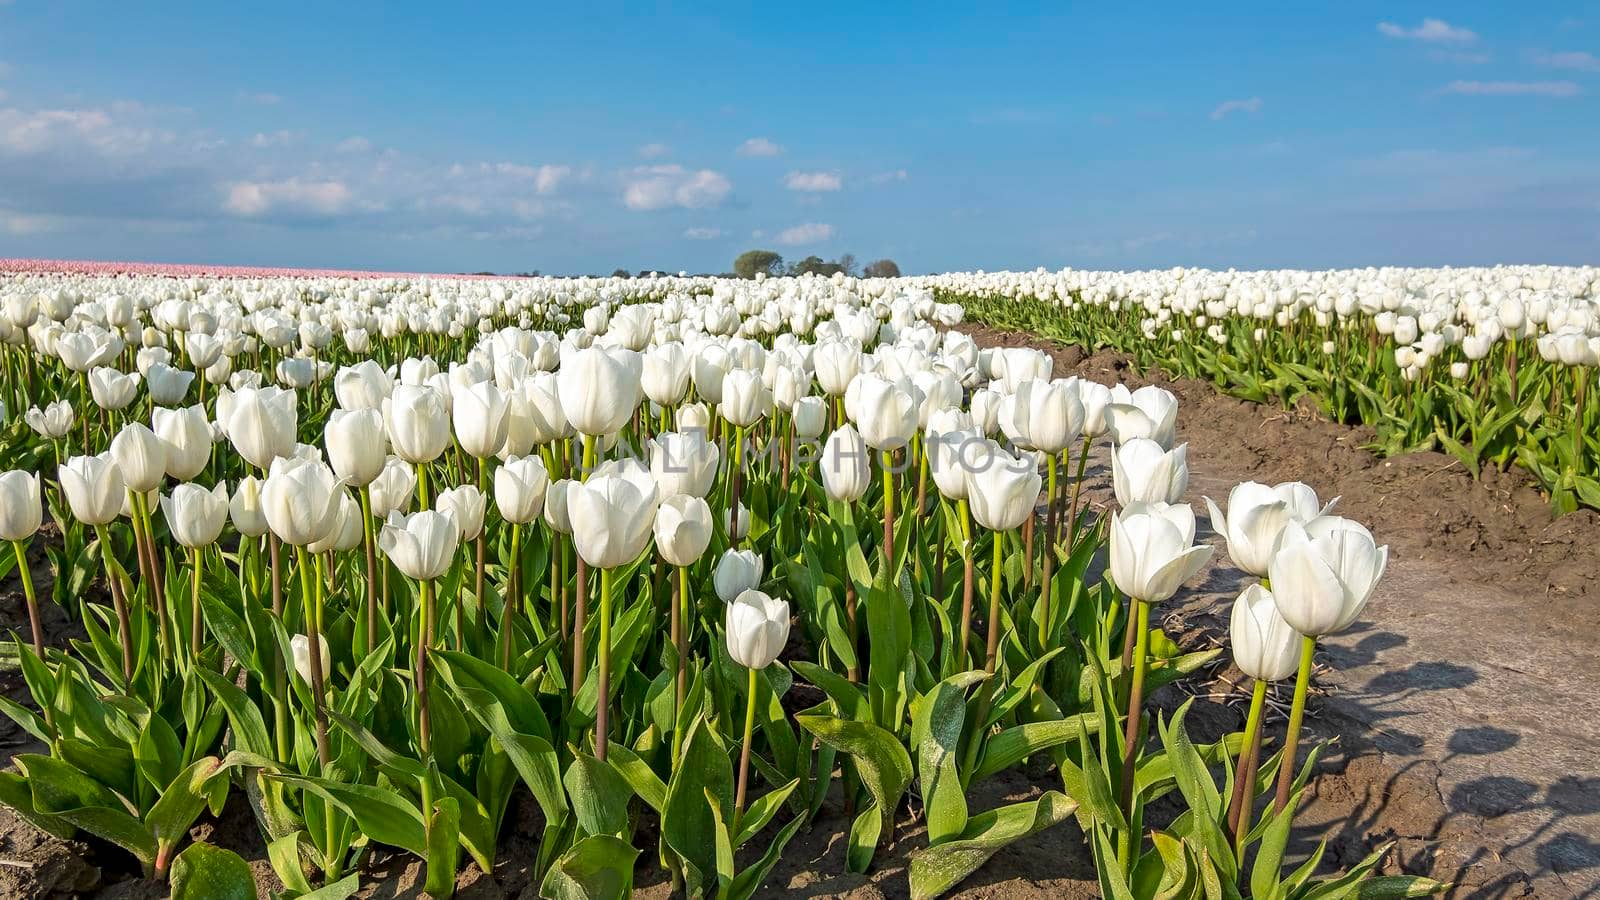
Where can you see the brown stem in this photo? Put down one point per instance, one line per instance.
(579, 620)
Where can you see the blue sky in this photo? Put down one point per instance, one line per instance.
(506, 137)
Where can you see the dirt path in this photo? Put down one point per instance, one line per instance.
(1463, 700)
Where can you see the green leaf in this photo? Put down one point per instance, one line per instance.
(284, 854)
(884, 765)
(760, 812)
(444, 847)
(942, 866)
(596, 868)
(599, 795)
(382, 815)
(170, 818)
(244, 717)
(204, 872)
(749, 880)
(644, 781)
(62, 791)
(937, 719)
(1014, 744)
(687, 824)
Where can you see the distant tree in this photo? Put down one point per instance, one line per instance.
(619, 273)
(881, 268)
(751, 262)
(847, 264)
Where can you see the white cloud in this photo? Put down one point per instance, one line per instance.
(813, 182)
(886, 177)
(1250, 105)
(665, 186)
(356, 144)
(654, 151)
(103, 131)
(292, 195)
(1513, 88)
(759, 146)
(809, 233)
(279, 138)
(703, 234)
(20, 225)
(1578, 61)
(1432, 31)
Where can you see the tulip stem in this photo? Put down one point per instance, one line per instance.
(991, 654)
(1130, 738)
(1244, 775)
(20, 549)
(680, 640)
(744, 754)
(580, 616)
(888, 510)
(513, 600)
(1049, 557)
(422, 486)
(602, 716)
(114, 573)
(1077, 484)
(311, 591)
(963, 650)
(1291, 738)
(735, 467)
(372, 567)
(195, 628)
(280, 671)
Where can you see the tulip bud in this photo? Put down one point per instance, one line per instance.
(480, 415)
(1142, 472)
(556, 513)
(186, 438)
(694, 417)
(665, 374)
(1324, 574)
(520, 485)
(21, 508)
(599, 388)
(1153, 552)
(737, 571)
(745, 399)
(195, 515)
(682, 529)
(300, 500)
(261, 423)
(684, 463)
(844, 467)
(300, 647)
(1002, 490)
(1150, 412)
(245, 508)
(111, 389)
(736, 523)
(94, 488)
(810, 417)
(167, 386)
(757, 628)
(141, 456)
(418, 422)
(1264, 646)
(465, 504)
(611, 514)
(422, 544)
(885, 411)
(364, 385)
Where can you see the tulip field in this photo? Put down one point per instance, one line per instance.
(1493, 366)
(688, 561)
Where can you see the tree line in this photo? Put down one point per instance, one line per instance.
(753, 262)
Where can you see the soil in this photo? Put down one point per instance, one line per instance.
(1463, 727)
